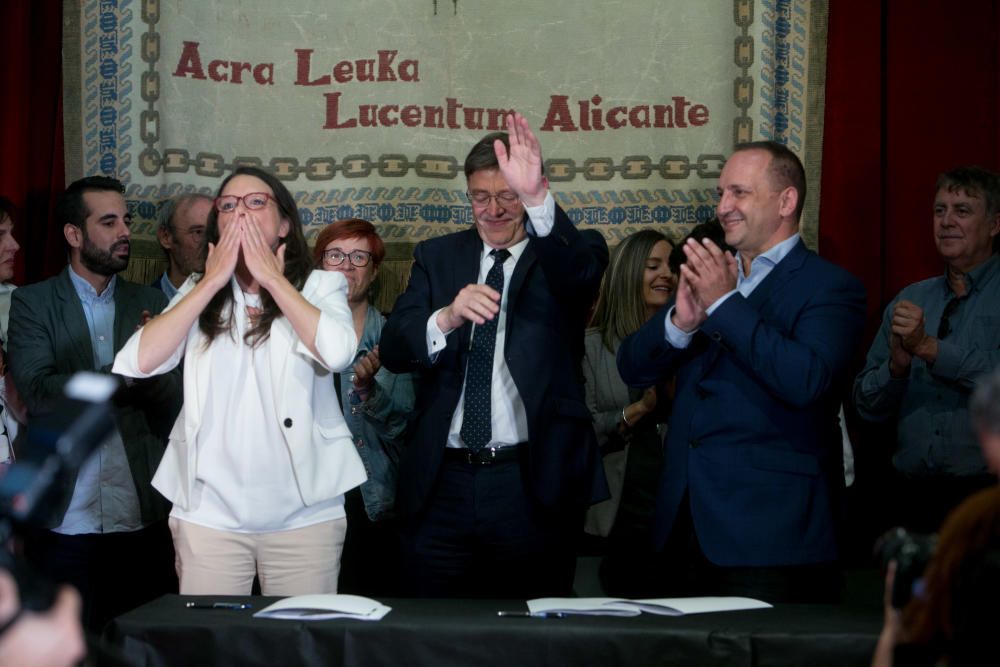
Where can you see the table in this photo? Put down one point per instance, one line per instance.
(442, 633)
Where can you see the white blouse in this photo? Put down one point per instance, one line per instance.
(260, 444)
(247, 484)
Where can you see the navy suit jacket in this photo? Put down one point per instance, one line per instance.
(753, 436)
(551, 290)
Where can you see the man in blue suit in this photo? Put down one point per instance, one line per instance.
(502, 458)
(758, 344)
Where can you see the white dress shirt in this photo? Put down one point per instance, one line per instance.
(509, 418)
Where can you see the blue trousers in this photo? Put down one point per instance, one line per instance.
(481, 535)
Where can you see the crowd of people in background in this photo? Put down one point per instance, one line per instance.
(677, 400)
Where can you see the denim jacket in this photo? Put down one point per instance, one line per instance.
(377, 423)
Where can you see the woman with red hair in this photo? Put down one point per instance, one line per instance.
(375, 404)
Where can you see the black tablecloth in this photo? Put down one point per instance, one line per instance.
(445, 633)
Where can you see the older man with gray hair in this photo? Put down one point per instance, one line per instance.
(181, 233)
(938, 339)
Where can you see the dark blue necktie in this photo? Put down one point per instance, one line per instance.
(477, 419)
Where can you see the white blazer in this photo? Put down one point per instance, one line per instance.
(324, 459)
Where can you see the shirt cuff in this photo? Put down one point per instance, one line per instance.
(718, 302)
(674, 335)
(541, 219)
(436, 340)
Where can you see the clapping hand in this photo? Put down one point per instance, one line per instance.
(908, 324)
(365, 369)
(899, 359)
(710, 271)
(688, 313)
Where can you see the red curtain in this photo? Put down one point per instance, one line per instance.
(31, 137)
(912, 90)
(851, 193)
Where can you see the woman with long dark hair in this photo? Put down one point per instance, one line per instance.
(637, 284)
(260, 458)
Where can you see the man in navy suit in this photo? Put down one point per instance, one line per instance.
(492, 486)
(758, 344)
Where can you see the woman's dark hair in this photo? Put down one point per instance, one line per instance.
(621, 308)
(298, 264)
(711, 229)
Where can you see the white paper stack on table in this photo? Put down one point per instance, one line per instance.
(323, 607)
(625, 607)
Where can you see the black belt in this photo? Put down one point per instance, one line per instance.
(485, 457)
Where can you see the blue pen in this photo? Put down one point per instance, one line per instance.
(532, 614)
(218, 605)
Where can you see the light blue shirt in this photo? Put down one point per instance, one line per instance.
(760, 267)
(104, 498)
(99, 309)
(167, 286)
(934, 435)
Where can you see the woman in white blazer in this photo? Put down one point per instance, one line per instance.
(260, 458)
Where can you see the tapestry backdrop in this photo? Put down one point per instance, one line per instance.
(366, 108)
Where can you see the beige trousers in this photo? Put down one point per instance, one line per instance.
(287, 562)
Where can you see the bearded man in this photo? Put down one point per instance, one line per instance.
(109, 536)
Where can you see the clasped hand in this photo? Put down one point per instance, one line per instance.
(708, 274)
(908, 338)
(908, 324)
(365, 369)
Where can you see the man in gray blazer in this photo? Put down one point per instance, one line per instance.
(108, 537)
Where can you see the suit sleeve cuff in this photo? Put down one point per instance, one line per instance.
(718, 302)
(436, 339)
(674, 335)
